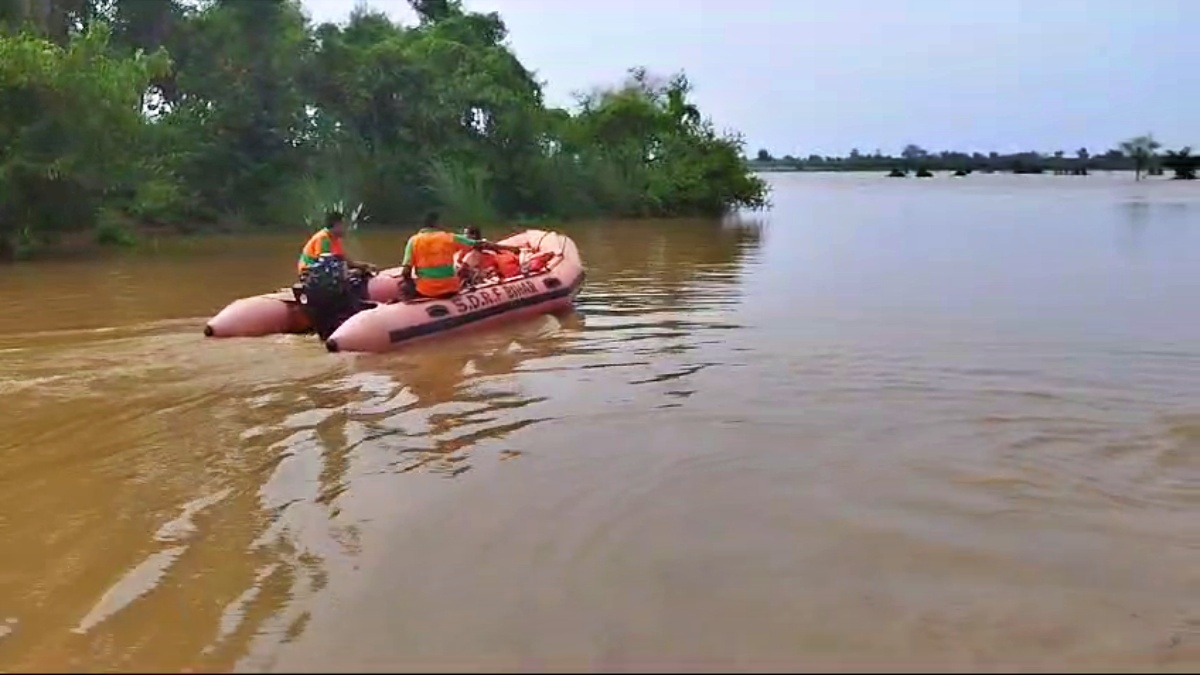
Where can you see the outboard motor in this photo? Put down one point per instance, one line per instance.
(329, 294)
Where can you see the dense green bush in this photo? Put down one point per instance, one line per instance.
(240, 111)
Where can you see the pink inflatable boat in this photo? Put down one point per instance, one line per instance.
(278, 312)
(549, 288)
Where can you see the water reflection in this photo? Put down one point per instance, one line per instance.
(656, 294)
(427, 407)
(167, 499)
(1171, 221)
(726, 458)
(1136, 218)
(654, 290)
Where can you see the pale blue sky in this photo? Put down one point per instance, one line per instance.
(803, 76)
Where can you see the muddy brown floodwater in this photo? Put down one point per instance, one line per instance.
(893, 424)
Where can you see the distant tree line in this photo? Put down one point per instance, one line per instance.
(1139, 154)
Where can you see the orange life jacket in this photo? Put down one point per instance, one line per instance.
(432, 260)
(322, 241)
(507, 264)
(504, 263)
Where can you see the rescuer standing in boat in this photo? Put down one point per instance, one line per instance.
(428, 268)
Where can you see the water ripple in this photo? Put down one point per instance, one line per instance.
(697, 453)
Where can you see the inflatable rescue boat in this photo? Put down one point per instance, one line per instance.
(553, 279)
(548, 282)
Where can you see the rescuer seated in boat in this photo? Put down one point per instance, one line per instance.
(470, 264)
(428, 268)
(332, 288)
(477, 267)
(328, 240)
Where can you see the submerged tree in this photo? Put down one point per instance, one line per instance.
(1141, 150)
(1183, 163)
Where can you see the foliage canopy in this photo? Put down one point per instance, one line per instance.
(119, 111)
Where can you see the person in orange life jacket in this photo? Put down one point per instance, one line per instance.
(428, 268)
(476, 267)
(328, 239)
(472, 265)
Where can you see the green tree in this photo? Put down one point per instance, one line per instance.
(913, 152)
(1141, 150)
(70, 131)
(668, 161)
(914, 156)
(257, 117)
